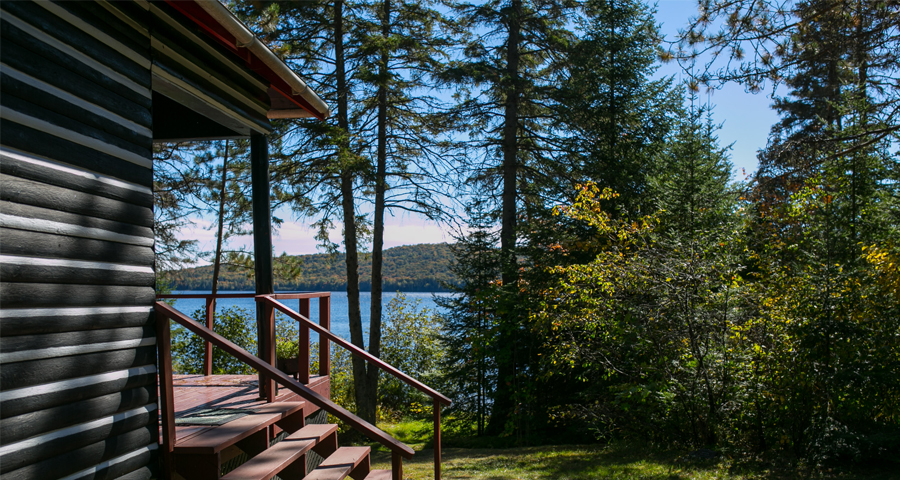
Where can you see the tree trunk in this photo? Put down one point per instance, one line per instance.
(217, 261)
(506, 368)
(378, 234)
(349, 214)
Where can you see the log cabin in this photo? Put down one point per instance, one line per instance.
(86, 386)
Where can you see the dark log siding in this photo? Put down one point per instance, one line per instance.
(77, 354)
(91, 455)
(53, 245)
(78, 382)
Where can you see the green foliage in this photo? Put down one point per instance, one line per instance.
(410, 342)
(747, 325)
(188, 349)
(470, 324)
(646, 324)
(826, 328)
(822, 237)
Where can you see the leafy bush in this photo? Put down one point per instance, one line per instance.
(410, 342)
(233, 323)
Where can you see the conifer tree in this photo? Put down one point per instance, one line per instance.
(616, 116)
(761, 43)
(823, 199)
(504, 76)
(174, 184)
(319, 166)
(468, 334)
(400, 45)
(383, 146)
(698, 237)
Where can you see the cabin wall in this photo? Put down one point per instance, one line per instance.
(78, 392)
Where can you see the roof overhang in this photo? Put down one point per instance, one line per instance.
(290, 96)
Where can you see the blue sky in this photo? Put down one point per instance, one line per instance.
(746, 119)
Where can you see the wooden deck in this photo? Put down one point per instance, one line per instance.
(196, 392)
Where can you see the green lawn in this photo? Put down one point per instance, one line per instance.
(582, 462)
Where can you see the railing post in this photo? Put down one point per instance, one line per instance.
(396, 466)
(324, 343)
(166, 390)
(207, 352)
(267, 386)
(303, 343)
(437, 439)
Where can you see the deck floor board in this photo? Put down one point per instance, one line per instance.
(195, 392)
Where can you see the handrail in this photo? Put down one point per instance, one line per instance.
(210, 316)
(397, 448)
(205, 295)
(280, 295)
(437, 398)
(356, 350)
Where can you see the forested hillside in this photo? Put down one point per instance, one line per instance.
(412, 268)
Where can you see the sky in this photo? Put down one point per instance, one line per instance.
(746, 119)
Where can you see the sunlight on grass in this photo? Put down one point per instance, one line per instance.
(551, 462)
(580, 462)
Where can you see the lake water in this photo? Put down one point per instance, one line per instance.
(339, 316)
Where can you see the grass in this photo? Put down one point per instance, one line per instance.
(583, 462)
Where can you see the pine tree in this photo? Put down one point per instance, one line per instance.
(823, 198)
(470, 325)
(174, 183)
(320, 166)
(384, 146)
(227, 199)
(617, 118)
(504, 78)
(755, 42)
(399, 46)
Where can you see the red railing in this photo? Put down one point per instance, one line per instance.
(271, 302)
(265, 364)
(303, 307)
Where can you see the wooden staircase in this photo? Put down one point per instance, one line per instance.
(200, 456)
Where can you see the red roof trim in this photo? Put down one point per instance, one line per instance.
(198, 15)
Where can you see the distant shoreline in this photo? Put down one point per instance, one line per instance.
(409, 268)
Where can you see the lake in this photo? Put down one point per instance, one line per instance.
(339, 318)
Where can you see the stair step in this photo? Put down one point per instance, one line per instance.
(379, 475)
(216, 439)
(281, 455)
(344, 461)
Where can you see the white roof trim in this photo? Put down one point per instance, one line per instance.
(246, 39)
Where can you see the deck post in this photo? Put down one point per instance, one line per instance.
(207, 352)
(303, 344)
(437, 439)
(166, 392)
(396, 466)
(262, 253)
(324, 344)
